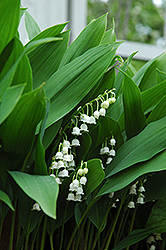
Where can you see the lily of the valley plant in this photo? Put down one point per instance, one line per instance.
(82, 140)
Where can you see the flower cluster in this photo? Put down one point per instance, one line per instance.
(140, 196)
(63, 161)
(108, 152)
(152, 240)
(76, 186)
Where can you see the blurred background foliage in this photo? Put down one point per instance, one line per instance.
(135, 20)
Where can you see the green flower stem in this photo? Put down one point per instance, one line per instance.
(51, 240)
(87, 234)
(91, 237)
(80, 233)
(12, 231)
(63, 226)
(112, 227)
(43, 234)
(124, 215)
(93, 201)
(35, 233)
(132, 223)
(100, 229)
(2, 219)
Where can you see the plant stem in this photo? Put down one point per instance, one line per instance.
(10, 247)
(43, 234)
(115, 221)
(51, 240)
(132, 224)
(63, 226)
(83, 216)
(120, 227)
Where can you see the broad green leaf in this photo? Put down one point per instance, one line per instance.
(153, 95)
(136, 236)
(161, 76)
(18, 130)
(109, 35)
(8, 78)
(155, 186)
(85, 142)
(158, 112)
(9, 100)
(134, 117)
(31, 26)
(120, 75)
(127, 176)
(5, 54)
(45, 59)
(147, 75)
(95, 176)
(5, 198)
(23, 73)
(40, 164)
(43, 189)
(50, 32)
(73, 81)
(157, 217)
(98, 211)
(139, 148)
(88, 38)
(10, 15)
(50, 133)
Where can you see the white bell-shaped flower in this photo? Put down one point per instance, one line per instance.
(54, 165)
(76, 131)
(63, 173)
(65, 150)
(133, 190)
(80, 171)
(83, 180)
(105, 104)
(112, 152)
(131, 204)
(109, 159)
(72, 163)
(66, 144)
(85, 118)
(75, 143)
(84, 127)
(112, 142)
(58, 180)
(85, 170)
(96, 114)
(76, 183)
(67, 158)
(70, 197)
(112, 100)
(52, 175)
(80, 191)
(140, 200)
(102, 111)
(141, 189)
(92, 120)
(78, 197)
(59, 155)
(60, 164)
(106, 150)
(36, 207)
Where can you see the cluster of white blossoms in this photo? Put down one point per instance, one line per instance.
(137, 192)
(152, 240)
(76, 186)
(63, 162)
(107, 151)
